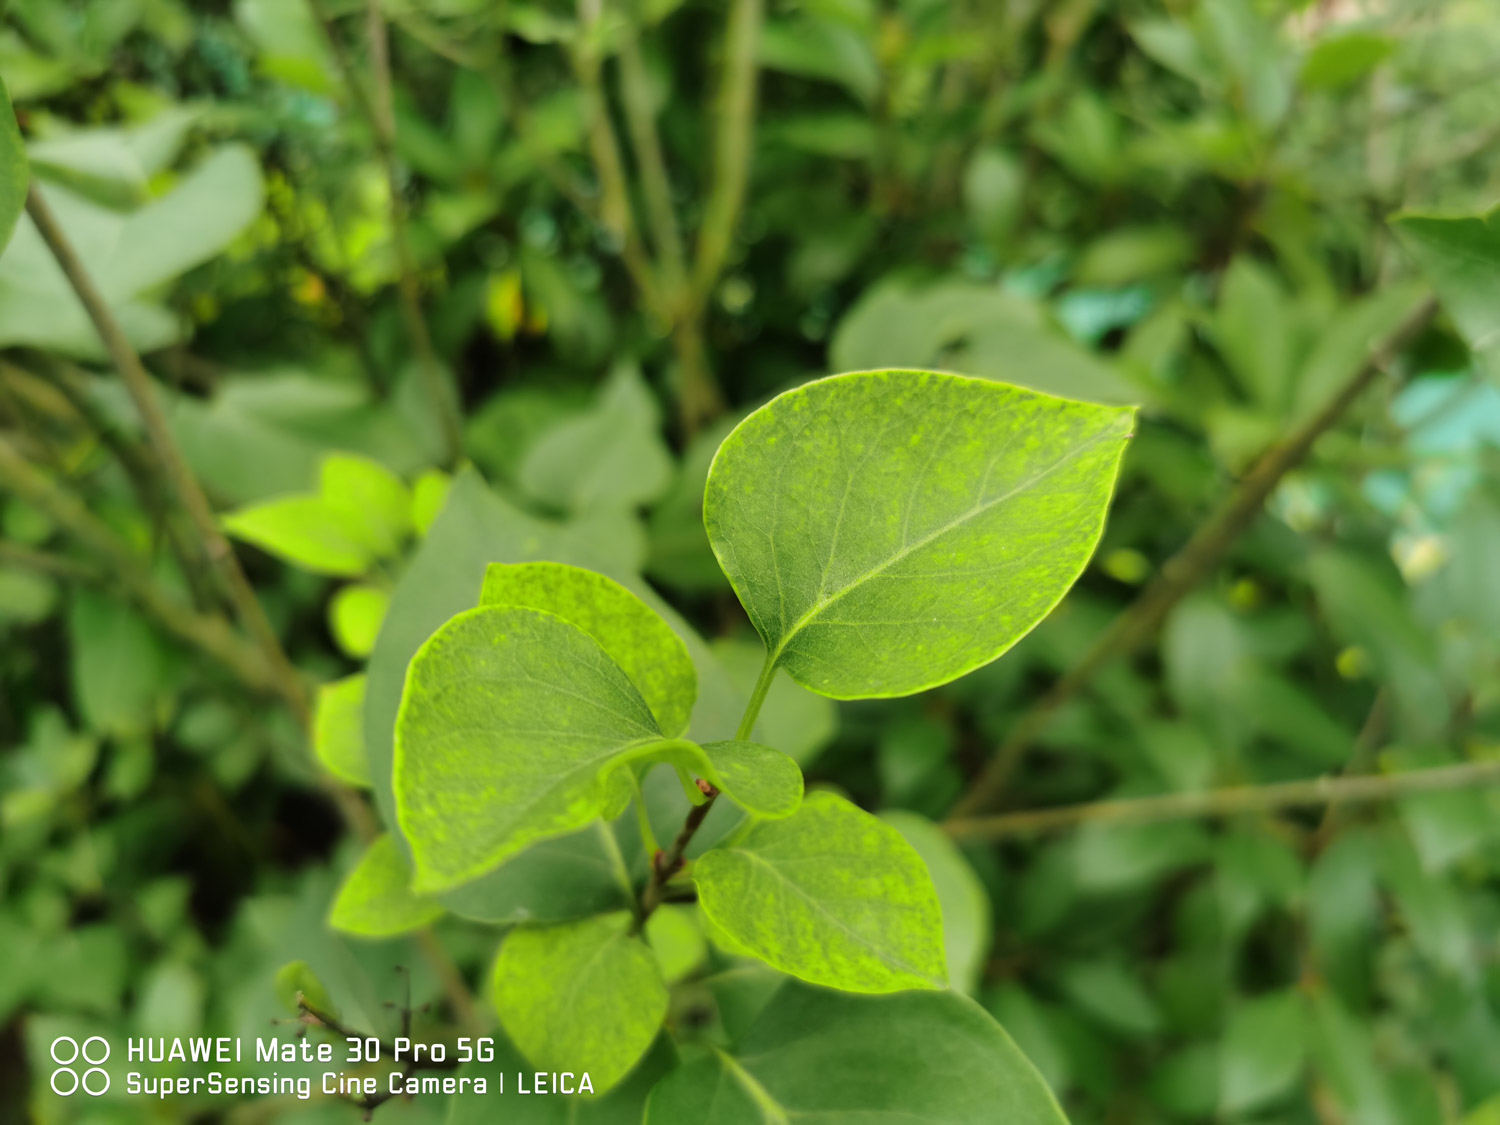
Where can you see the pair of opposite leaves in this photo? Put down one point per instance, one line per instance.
(886, 532)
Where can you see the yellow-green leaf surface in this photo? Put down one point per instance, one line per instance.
(889, 531)
(338, 730)
(763, 781)
(301, 530)
(367, 496)
(634, 635)
(831, 895)
(581, 996)
(508, 719)
(967, 924)
(354, 617)
(376, 898)
(921, 1058)
(13, 169)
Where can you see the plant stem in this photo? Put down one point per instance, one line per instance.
(666, 864)
(208, 633)
(656, 185)
(1226, 802)
(169, 457)
(379, 114)
(1204, 551)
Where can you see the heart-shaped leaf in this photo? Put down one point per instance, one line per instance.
(889, 531)
(831, 895)
(583, 996)
(634, 635)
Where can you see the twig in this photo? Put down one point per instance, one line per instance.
(1204, 551)
(1361, 758)
(45, 562)
(379, 113)
(455, 988)
(1226, 802)
(667, 863)
(169, 457)
(656, 185)
(209, 633)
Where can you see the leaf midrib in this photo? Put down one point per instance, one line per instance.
(907, 550)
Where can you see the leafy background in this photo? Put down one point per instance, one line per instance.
(1178, 204)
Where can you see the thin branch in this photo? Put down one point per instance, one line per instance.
(169, 457)
(1226, 802)
(209, 633)
(1202, 553)
(735, 131)
(615, 213)
(656, 184)
(379, 113)
(45, 562)
(667, 863)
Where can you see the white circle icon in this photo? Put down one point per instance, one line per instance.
(65, 1052)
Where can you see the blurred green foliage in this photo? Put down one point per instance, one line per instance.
(1176, 203)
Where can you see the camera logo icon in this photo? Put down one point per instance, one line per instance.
(66, 1053)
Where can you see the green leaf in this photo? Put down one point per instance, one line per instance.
(831, 895)
(338, 730)
(13, 170)
(623, 1105)
(1253, 328)
(354, 617)
(508, 721)
(117, 664)
(890, 531)
(1343, 60)
(1263, 1052)
(376, 899)
(794, 720)
(1113, 995)
(302, 530)
(1460, 255)
(553, 881)
(611, 455)
(296, 980)
(634, 635)
(968, 927)
(921, 1058)
(368, 499)
(429, 492)
(675, 937)
(760, 780)
(581, 996)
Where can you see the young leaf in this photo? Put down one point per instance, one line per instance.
(301, 530)
(630, 631)
(761, 780)
(338, 730)
(13, 169)
(354, 617)
(922, 1057)
(296, 979)
(368, 499)
(890, 531)
(581, 996)
(507, 722)
(831, 895)
(375, 900)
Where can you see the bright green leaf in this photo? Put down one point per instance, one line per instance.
(370, 501)
(376, 898)
(1342, 60)
(921, 1058)
(354, 617)
(508, 720)
(890, 531)
(13, 170)
(338, 730)
(580, 996)
(968, 927)
(831, 895)
(429, 492)
(676, 939)
(762, 781)
(303, 531)
(630, 631)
